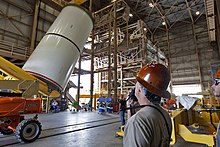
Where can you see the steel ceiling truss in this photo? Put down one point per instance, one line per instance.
(163, 14)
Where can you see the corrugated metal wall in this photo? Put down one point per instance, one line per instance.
(189, 57)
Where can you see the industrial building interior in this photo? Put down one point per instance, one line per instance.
(116, 39)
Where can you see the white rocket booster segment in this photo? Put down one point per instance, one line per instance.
(55, 57)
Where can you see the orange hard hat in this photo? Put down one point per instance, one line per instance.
(155, 78)
(217, 74)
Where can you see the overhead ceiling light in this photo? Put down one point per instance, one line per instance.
(197, 12)
(164, 23)
(145, 29)
(151, 5)
(131, 15)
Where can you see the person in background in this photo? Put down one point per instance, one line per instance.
(151, 125)
(216, 92)
(122, 107)
(132, 103)
(54, 105)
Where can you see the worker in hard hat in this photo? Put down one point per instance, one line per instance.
(216, 92)
(216, 86)
(150, 126)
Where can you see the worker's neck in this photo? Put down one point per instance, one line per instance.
(144, 101)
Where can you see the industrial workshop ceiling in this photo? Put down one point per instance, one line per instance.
(185, 30)
(163, 14)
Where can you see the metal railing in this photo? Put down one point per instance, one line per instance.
(14, 49)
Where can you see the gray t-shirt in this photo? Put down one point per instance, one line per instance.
(147, 128)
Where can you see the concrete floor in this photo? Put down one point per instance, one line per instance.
(91, 131)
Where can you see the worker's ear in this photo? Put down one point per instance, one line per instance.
(138, 87)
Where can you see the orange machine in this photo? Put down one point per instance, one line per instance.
(12, 121)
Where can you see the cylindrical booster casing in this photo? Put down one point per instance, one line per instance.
(55, 56)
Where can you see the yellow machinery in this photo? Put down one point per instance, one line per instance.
(180, 124)
(120, 133)
(198, 124)
(20, 79)
(17, 73)
(21, 82)
(1, 77)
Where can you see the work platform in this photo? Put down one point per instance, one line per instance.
(78, 129)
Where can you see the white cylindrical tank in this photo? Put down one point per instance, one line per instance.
(55, 57)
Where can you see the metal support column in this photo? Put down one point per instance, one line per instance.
(48, 104)
(109, 55)
(92, 65)
(34, 24)
(217, 3)
(121, 72)
(169, 60)
(143, 42)
(197, 56)
(115, 53)
(79, 75)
